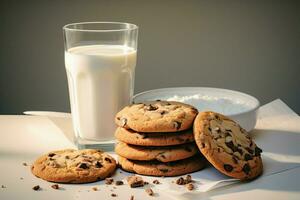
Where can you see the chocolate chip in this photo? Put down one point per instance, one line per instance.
(177, 125)
(246, 168)
(258, 151)
(249, 150)
(209, 128)
(157, 100)
(247, 157)
(67, 157)
(119, 183)
(231, 146)
(163, 112)
(240, 151)
(107, 159)
(150, 107)
(98, 164)
(228, 168)
(164, 170)
(83, 166)
(113, 195)
(51, 155)
(235, 160)
(36, 188)
(123, 122)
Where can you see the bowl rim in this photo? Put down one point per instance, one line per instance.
(248, 110)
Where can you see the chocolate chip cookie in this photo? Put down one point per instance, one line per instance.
(156, 168)
(227, 146)
(74, 166)
(157, 116)
(163, 154)
(154, 139)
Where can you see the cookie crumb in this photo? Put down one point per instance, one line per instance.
(119, 183)
(135, 181)
(180, 181)
(36, 188)
(149, 191)
(109, 181)
(21, 178)
(131, 197)
(95, 188)
(183, 181)
(55, 186)
(146, 183)
(113, 195)
(190, 186)
(3, 186)
(24, 164)
(156, 182)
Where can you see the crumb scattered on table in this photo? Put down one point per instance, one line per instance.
(36, 188)
(24, 164)
(55, 186)
(113, 195)
(149, 191)
(135, 181)
(119, 182)
(109, 181)
(95, 188)
(156, 182)
(190, 186)
(131, 197)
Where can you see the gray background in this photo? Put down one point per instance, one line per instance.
(250, 46)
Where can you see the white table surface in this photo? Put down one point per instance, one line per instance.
(24, 138)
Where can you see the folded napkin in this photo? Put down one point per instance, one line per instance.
(276, 132)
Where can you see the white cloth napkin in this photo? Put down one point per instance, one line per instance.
(276, 122)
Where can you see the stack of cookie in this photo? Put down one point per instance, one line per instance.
(156, 138)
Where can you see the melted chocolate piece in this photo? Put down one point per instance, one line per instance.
(83, 166)
(246, 168)
(228, 168)
(258, 151)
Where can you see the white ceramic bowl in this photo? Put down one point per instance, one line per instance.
(239, 106)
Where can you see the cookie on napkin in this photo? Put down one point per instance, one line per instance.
(227, 146)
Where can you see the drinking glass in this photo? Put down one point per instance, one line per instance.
(100, 60)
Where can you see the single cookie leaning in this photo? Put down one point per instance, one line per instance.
(156, 168)
(227, 146)
(74, 166)
(163, 154)
(157, 116)
(154, 139)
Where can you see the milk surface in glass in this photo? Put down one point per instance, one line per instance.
(100, 79)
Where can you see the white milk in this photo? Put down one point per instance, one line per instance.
(100, 79)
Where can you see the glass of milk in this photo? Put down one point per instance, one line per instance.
(100, 60)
